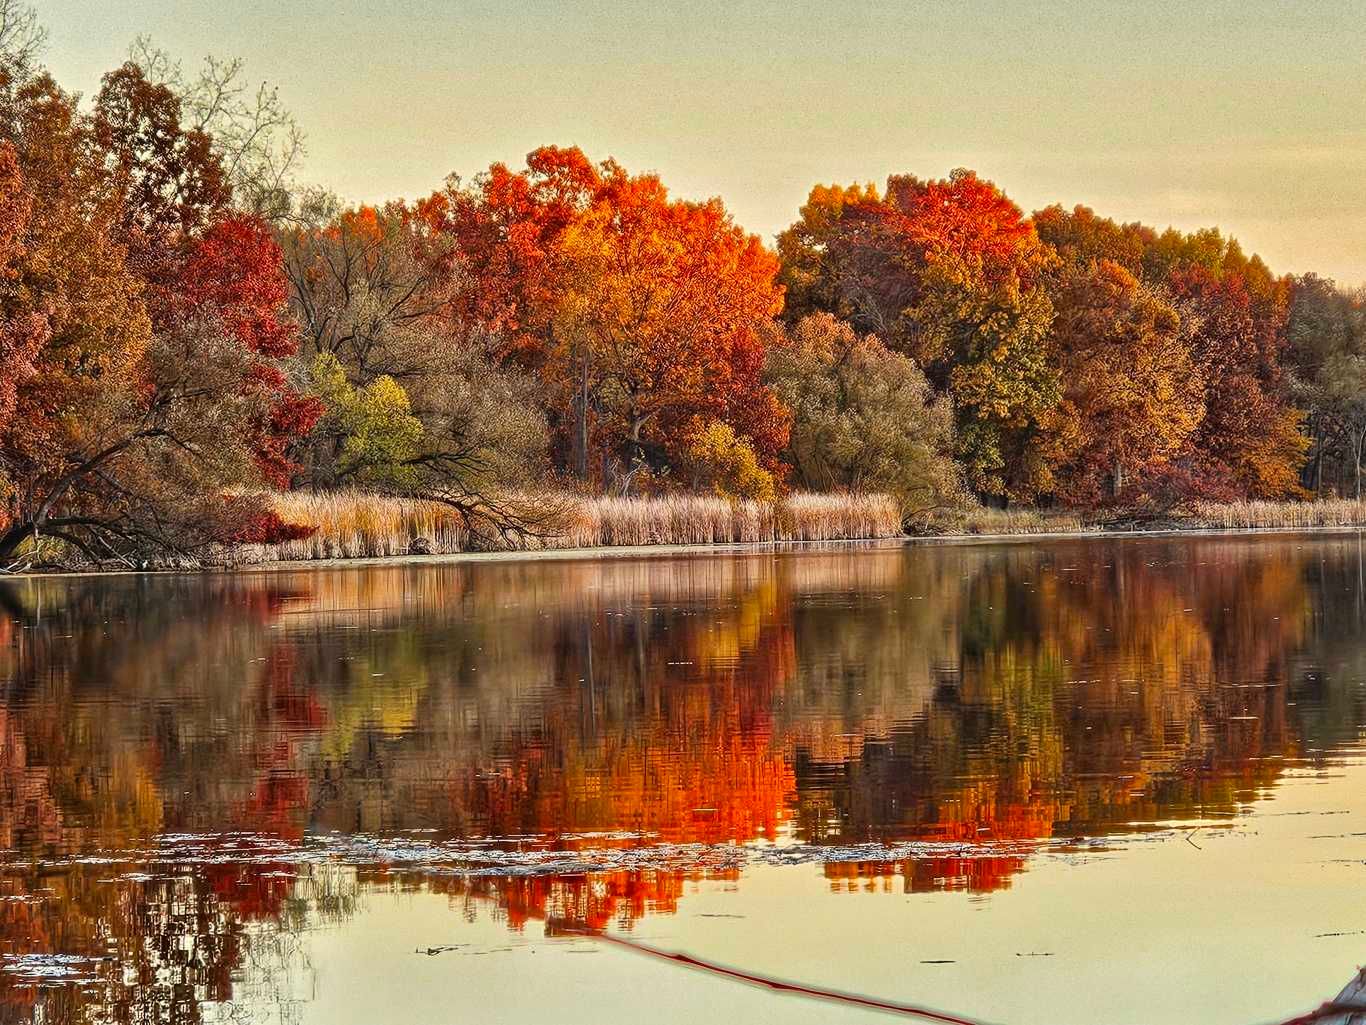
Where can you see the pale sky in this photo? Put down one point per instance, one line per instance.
(1246, 114)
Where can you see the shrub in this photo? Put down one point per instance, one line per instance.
(720, 459)
(864, 418)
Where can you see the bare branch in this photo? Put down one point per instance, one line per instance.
(257, 139)
(22, 36)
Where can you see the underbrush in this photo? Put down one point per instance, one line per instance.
(984, 521)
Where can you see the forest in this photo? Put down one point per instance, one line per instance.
(188, 332)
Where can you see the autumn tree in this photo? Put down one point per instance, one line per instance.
(73, 315)
(156, 386)
(200, 256)
(506, 230)
(950, 273)
(642, 313)
(810, 272)
(864, 418)
(665, 310)
(376, 434)
(1080, 238)
(172, 183)
(415, 401)
(1233, 322)
(24, 328)
(1131, 397)
(1231, 314)
(716, 459)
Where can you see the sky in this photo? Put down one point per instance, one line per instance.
(1249, 115)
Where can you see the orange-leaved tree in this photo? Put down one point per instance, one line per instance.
(664, 312)
(810, 271)
(643, 314)
(74, 318)
(1234, 317)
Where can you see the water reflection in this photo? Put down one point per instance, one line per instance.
(976, 695)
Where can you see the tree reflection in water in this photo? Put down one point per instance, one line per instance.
(973, 694)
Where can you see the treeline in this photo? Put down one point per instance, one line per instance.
(185, 329)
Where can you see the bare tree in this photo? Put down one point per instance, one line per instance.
(22, 36)
(375, 301)
(360, 288)
(257, 140)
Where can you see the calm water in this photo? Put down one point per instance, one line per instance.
(1093, 782)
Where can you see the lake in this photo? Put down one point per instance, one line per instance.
(1089, 782)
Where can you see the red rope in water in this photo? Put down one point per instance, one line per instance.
(909, 1010)
(786, 987)
(1329, 1010)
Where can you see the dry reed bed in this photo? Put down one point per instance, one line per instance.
(351, 525)
(1245, 515)
(1327, 512)
(357, 525)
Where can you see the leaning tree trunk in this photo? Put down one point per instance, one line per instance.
(12, 538)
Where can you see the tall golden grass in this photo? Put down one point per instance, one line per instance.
(1326, 512)
(1242, 515)
(353, 524)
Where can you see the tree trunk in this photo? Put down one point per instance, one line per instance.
(635, 452)
(1311, 473)
(581, 440)
(1318, 456)
(1360, 441)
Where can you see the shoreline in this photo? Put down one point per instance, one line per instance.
(1082, 535)
(728, 548)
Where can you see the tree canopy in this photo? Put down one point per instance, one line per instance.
(183, 329)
